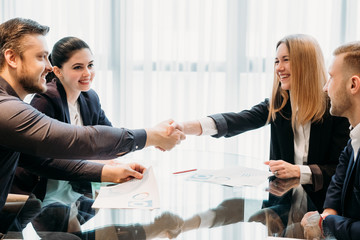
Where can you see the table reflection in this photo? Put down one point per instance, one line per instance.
(189, 210)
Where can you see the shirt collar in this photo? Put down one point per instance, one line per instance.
(5, 86)
(355, 138)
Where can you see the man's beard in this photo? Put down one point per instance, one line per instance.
(342, 104)
(29, 84)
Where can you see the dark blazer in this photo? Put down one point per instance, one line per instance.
(327, 139)
(54, 104)
(344, 196)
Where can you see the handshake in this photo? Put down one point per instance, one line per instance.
(165, 135)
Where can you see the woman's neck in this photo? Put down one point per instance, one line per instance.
(72, 95)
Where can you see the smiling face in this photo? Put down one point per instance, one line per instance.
(282, 66)
(34, 65)
(77, 73)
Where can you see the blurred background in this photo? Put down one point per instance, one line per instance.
(186, 59)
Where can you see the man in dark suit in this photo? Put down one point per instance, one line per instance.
(341, 215)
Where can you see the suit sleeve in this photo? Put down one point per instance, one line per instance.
(231, 124)
(50, 103)
(333, 195)
(32, 132)
(62, 169)
(46, 104)
(341, 228)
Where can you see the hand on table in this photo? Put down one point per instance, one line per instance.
(282, 169)
(122, 172)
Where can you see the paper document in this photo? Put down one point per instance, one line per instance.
(234, 176)
(136, 193)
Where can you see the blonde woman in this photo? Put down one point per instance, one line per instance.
(306, 140)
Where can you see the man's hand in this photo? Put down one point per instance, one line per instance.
(122, 172)
(310, 223)
(163, 136)
(279, 187)
(283, 169)
(176, 125)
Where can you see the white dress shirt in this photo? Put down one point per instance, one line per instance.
(355, 139)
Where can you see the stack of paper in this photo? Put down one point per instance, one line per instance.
(136, 193)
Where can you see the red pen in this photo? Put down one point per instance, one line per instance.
(185, 171)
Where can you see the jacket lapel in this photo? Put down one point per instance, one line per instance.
(349, 172)
(314, 143)
(63, 101)
(84, 110)
(287, 139)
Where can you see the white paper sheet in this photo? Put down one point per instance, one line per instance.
(29, 232)
(234, 176)
(136, 193)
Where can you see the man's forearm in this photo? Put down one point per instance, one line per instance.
(34, 133)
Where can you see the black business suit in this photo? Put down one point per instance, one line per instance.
(327, 140)
(344, 196)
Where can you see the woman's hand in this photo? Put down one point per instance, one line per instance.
(282, 169)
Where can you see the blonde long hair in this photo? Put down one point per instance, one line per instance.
(308, 76)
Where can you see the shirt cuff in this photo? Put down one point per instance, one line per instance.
(207, 219)
(208, 126)
(305, 174)
(139, 138)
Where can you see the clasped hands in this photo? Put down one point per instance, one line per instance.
(164, 135)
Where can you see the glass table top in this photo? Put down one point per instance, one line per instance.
(188, 209)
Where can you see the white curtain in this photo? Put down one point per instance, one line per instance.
(185, 59)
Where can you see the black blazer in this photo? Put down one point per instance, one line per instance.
(54, 104)
(327, 139)
(344, 196)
